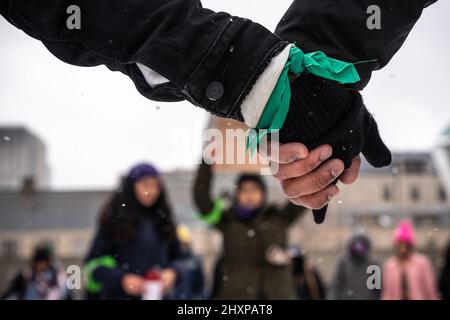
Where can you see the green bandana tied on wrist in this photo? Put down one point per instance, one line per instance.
(298, 62)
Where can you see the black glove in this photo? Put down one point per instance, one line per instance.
(324, 112)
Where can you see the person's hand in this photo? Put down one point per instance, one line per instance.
(323, 112)
(133, 284)
(168, 279)
(307, 177)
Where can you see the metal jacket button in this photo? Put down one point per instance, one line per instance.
(214, 91)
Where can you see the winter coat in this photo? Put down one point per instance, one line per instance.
(340, 28)
(107, 262)
(419, 276)
(246, 269)
(309, 285)
(211, 59)
(444, 283)
(49, 284)
(191, 283)
(350, 279)
(444, 276)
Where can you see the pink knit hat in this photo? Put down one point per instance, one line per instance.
(404, 233)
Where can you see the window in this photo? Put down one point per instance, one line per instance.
(426, 219)
(415, 166)
(442, 196)
(387, 194)
(414, 193)
(9, 248)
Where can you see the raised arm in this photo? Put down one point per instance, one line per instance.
(210, 209)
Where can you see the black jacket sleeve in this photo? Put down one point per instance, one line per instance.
(110, 278)
(191, 46)
(339, 28)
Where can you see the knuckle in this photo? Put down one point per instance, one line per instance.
(297, 201)
(321, 181)
(309, 166)
(289, 188)
(318, 203)
(280, 173)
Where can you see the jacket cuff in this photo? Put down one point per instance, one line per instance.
(253, 105)
(231, 67)
(152, 77)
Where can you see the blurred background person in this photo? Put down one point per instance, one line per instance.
(43, 279)
(136, 235)
(217, 278)
(350, 279)
(255, 263)
(191, 280)
(307, 279)
(408, 275)
(444, 277)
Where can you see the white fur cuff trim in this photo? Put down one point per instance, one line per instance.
(253, 105)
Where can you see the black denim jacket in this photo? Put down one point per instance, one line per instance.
(211, 59)
(338, 27)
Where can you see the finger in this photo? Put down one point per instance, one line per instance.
(314, 181)
(317, 200)
(375, 151)
(304, 166)
(351, 174)
(285, 153)
(319, 215)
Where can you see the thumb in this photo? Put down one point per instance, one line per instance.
(374, 150)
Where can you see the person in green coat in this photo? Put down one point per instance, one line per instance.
(255, 262)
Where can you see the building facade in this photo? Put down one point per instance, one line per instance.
(22, 156)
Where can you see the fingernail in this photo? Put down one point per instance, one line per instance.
(332, 194)
(334, 172)
(325, 154)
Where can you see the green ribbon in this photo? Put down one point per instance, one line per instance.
(277, 107)
(213, 217)
(107, 261)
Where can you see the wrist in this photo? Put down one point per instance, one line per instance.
(253, 105)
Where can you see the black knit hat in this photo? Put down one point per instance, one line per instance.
(43, 252)
(252, 178)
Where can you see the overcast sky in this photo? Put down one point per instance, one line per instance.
(96, 125)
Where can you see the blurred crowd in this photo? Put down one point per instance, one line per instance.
(139, 252)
